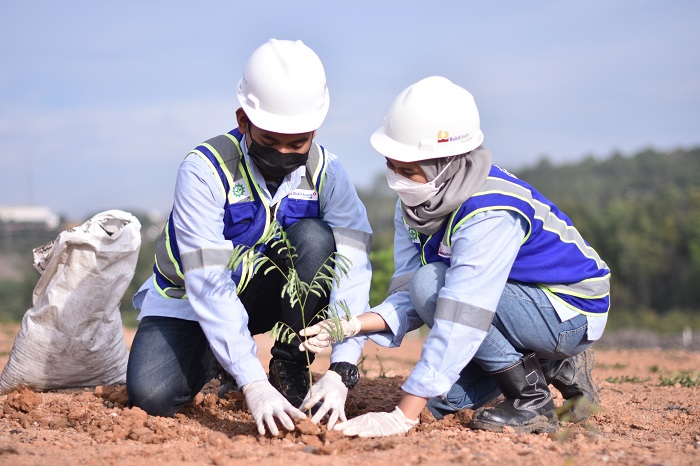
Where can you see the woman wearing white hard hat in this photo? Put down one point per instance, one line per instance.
(512, 293)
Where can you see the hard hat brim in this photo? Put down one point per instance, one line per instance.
(395, 150)
(284, 124)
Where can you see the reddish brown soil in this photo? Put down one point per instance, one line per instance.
(641, 422)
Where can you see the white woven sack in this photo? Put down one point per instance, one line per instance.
(72, 335)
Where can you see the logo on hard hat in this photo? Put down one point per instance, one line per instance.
(444, 136)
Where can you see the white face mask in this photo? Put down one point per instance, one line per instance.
(411, 193)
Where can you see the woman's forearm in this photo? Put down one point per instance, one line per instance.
(372, 322)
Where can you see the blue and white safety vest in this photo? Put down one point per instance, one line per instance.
(247, 214)
(553, 255)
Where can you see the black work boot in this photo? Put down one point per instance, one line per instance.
(572, 377)
(228, 384)
(291, 379)
(528, 406)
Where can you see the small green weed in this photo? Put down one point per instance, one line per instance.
(361, 365)
(382, 371)
(683, 378)
(627, 379)
(617, 365)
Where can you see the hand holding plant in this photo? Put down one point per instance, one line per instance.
(327, 332)
(330, 389)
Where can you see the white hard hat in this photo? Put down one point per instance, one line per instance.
(283, 88)
(430, 119)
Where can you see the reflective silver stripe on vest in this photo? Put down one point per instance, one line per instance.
(568, 234)
(201, 258)
(355, 239)
(464, 314)
(166, 265)
(226, 151)
(400, 283)
(591, 288)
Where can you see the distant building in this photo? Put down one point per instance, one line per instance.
(13, 217)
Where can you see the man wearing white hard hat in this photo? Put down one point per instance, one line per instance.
(197, 317)
(512, 293)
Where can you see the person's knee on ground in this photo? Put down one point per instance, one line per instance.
(155, 403)
(425, 287)
(163, 373)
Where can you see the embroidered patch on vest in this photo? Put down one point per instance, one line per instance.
(413, 233)
(239, 191)
(304, 194)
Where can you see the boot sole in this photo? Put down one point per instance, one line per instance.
(539, 424)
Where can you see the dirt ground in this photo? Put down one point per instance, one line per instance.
(645, 419)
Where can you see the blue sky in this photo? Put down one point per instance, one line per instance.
(100, 101)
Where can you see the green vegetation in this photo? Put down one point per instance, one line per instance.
(640, 212)
(627, 379)
(684, 379)
(296, 291)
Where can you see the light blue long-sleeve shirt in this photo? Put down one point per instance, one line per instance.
(211, 294)
(484, 249)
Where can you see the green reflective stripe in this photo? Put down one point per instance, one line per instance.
(224, 168)
(452, 229)
(170, 292)
(235, 142)
(168, 267)
(201, 258)
(423, 260)
(400, 283)
(213, 169)
(447, 239)
(570, 306)
(464, 314)
(319, 176)
(355, 239)
(240, 171)
(551, 222)
(591, 288)
(165, 259)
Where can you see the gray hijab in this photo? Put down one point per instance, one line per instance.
(465, 174)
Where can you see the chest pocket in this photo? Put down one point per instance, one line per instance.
(293, 210)
(244, 223)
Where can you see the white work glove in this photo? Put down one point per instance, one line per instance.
(331, 389)
(323, 332)
(266, 403)
(377, 424)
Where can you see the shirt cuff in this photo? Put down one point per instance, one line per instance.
(348, 350)
(426, 383)
(246, 370)
(393, 337)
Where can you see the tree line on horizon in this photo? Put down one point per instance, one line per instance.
(640, 212)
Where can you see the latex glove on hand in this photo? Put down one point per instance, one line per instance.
(327, 332)
(266, 403)
(377, 424)
(331, 389)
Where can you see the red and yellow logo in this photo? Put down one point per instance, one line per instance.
(443, 136)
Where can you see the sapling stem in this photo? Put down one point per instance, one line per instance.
(294, 289)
